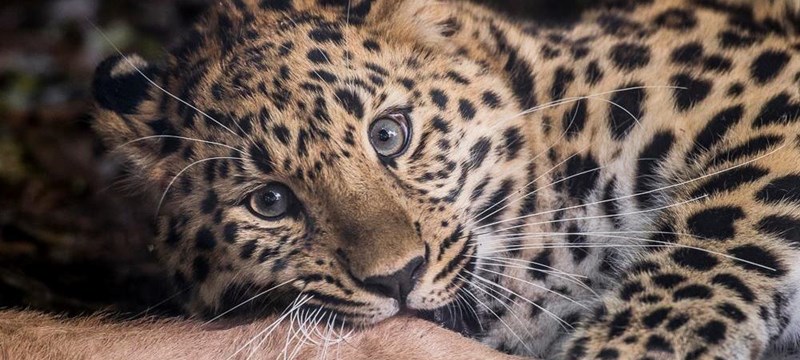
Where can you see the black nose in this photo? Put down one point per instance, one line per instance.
(399, 284)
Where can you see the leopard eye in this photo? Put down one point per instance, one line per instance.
(389, 135)
(271, 202)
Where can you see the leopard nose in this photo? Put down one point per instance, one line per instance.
(398, 284)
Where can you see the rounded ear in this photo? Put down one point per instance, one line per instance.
(425, 22)
(121, 83)
(126, 109)
(123, 93)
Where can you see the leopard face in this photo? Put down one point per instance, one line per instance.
(308, 150)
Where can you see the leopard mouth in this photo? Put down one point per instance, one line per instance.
(460, 319)
(459, 316)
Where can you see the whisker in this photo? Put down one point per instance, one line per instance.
(582, 246)
(666, 187)
(162, 302)
(587, 97)
(550, 269)
(538, 287)
(269, 329)
(531, 235)
(326, 336)
(450, 310)
(311, 326)
(169, 186)
(521, 189)
(514, 333)
(564, 133)
(290, 336)
(181, 138)
(340, 334)
(541, 188)
(659, 242)
(470, 307)
(316, 330)
(344, 339)
(532, 160)
(307, 327)
(635, 119)
(459, 308)
(508, 262)
(156, 85)
(587, 217)
(256, 296)
(303, 318)
(554, 316)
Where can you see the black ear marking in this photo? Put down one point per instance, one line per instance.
(355, 11)
(118, 86)
(277, 5)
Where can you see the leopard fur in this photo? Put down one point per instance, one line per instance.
(626, 187)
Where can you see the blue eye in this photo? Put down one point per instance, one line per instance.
(271, 202)
(389, 135)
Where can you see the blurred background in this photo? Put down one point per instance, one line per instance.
(72, 240)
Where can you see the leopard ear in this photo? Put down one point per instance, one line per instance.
(425, 22)
(126, 109)
(122, 83)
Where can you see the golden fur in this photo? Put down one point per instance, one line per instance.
(658, 137)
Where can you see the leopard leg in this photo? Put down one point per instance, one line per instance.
(784, 12)
(724, 285)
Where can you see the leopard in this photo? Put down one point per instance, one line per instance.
(626, 186)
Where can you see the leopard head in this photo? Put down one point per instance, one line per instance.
(343, 154)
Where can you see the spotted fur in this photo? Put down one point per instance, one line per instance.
(625, 188)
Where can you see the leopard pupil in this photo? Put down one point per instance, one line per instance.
(385, 135)
(271, 198)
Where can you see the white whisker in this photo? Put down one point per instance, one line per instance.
(658, 242)
(635, 119)
(520, 190)
(514, 333)
(548, 312)
(247, 301)
(296, 304)
(470, 307)
(538, 286)
(587, 97)
(156, 85)
(666, 187)
(509, 262)
(181, 138)
(586, 217)
(164, 195)
(162, 302)
(541, 188)
(505, 237)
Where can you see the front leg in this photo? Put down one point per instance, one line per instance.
(670, 312)
(786, 12)
(724, 284)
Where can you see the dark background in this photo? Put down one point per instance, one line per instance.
(73, 239)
